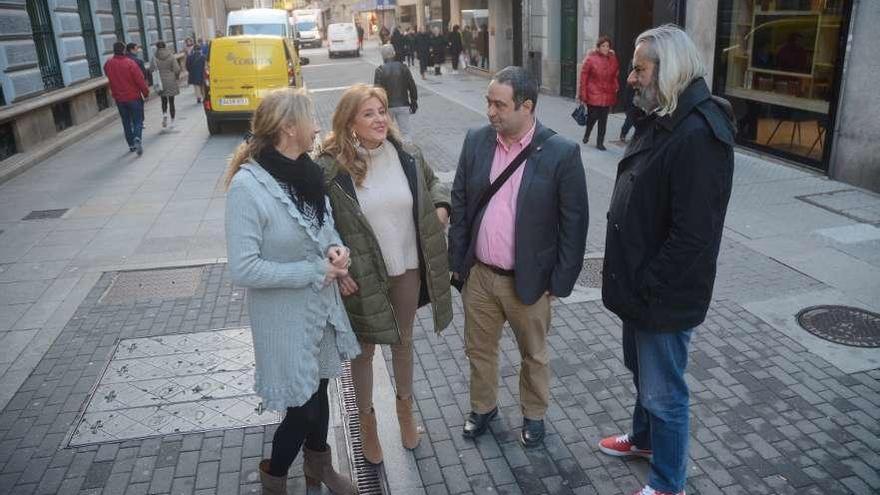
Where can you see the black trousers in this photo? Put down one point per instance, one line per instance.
(308, 423)
(168, 105)
(455, 60)
(631, 115)
(600, 115)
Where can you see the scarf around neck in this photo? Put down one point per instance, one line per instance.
(304, 176)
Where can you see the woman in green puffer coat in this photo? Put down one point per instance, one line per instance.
(391, 211)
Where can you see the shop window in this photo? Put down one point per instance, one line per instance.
(62, 115)
(475, 32)
(7, 141)
(778, 61)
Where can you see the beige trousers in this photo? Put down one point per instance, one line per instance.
(490, 300)
(405, 301)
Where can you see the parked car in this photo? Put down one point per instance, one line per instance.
(343, 38)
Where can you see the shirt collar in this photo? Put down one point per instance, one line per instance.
(523, 141)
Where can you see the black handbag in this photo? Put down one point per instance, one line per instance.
(499, 181)
(580, 115)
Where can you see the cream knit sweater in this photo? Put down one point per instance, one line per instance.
(387, 203)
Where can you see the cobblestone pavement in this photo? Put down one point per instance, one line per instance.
(769, 415)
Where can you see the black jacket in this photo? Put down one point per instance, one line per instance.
(397, 81)
(667, 213)
(551, 213)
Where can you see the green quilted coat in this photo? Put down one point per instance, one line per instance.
(369, 309)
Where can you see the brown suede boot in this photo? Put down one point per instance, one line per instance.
(409, 431)
(370, 437)
(318, 468)
(272, 485)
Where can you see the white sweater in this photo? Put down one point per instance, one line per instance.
(387, 203)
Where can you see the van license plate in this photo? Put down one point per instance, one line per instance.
(230, 102)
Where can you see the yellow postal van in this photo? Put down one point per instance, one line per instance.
(241, 69)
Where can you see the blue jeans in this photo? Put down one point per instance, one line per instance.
(660, 416)
(132, 114)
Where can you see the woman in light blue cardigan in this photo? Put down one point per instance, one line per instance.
(283, 247)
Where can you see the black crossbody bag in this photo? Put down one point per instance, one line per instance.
(499, 181)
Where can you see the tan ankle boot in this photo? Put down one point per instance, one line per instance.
(318, 468)
(370, 437)
(272, 485)
(409, 431)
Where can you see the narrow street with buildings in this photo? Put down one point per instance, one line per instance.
(126, 367)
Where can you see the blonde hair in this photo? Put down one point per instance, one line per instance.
(341, 143)
(677, 63)
(279, 107)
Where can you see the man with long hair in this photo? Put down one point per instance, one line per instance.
(664, 230)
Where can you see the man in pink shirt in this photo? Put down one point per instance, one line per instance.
(516, 250)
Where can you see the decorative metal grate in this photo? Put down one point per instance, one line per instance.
(171, 19)
(142, 30)
(88, 34)
(366, 476)
(45, 214)
(102, 99)
(118, 27)
(158, 15)
(139, 285)
(7, 141)
(62, 116)
(844, 325)
(44, 41)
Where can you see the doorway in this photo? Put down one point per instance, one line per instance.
(624, 20)
(568, 48)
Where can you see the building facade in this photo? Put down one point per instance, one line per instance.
(799, 73)
(52, 55)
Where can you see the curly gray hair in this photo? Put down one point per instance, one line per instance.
(387, 52)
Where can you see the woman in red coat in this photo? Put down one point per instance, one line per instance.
(599, 85)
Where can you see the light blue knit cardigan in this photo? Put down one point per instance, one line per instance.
(282, 263)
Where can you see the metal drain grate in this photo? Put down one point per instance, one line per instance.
(366, 476)
(845, 325)
(591, 274)
(141, 285)
(45, 214)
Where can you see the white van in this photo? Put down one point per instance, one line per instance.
(272, 22)
(343, 38)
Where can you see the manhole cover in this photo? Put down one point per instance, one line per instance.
(842, 325)
(591, 274)
(45, 214)
(153, 284)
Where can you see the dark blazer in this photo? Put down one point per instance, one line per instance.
(667, 214)
(551, 213)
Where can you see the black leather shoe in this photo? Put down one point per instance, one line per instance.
(601, 147)
(532, 432)
(476, 424)
(585, 139)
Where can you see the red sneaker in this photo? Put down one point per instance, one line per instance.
(621, 446)
(647, 490)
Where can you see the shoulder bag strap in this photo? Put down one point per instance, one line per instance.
(519, 160)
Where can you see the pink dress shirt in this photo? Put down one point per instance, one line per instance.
(495, 240)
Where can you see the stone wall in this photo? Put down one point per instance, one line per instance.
(857, 131)
(18, 55)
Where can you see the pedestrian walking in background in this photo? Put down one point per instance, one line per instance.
(188, 46)
(169, 72)
(467, 44)
(423, 49)
(360, 32)
(483, 47)
(400, 88)
(128, 88)
(397, 43)
(599, 85)
(133, 51)
(632, 112)
(665, 224)
(391, 210)
(384, 35)
(409, 46)
(514, 244)
(195, 67)
(284, 249)
(438, 50)
(455, 47)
